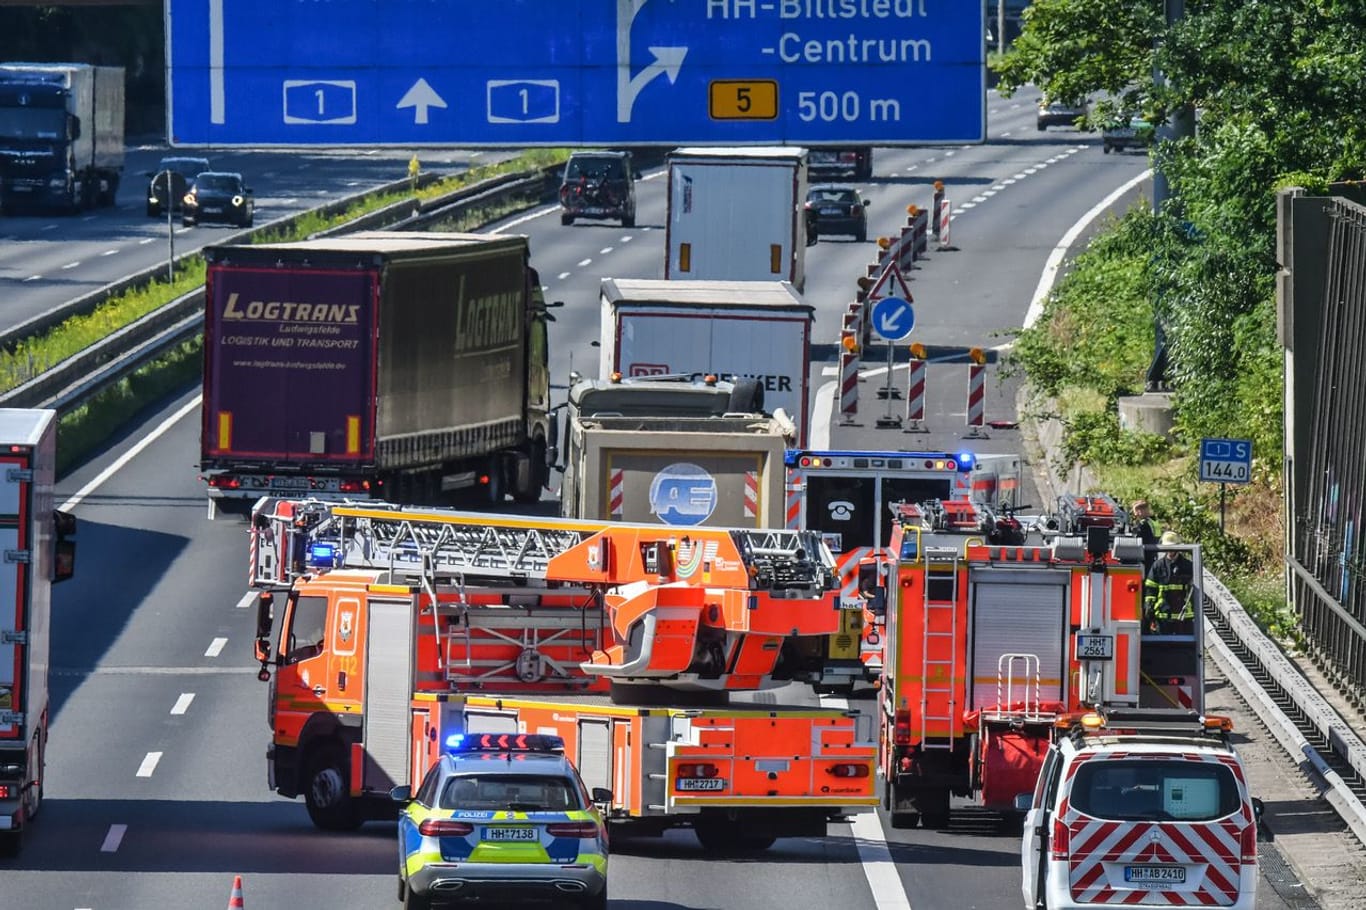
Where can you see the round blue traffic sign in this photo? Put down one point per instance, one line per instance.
(893, 318)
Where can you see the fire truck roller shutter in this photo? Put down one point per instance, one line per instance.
(1018, 611)
(388, 683)
(595, 753)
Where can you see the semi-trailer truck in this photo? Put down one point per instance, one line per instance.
(411, 366)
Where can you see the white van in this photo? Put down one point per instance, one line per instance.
(1133, 812)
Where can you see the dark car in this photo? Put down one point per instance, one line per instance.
(218, 196)
(1127, 131)
(599, 185)
(854, 163)
(834, 209)
(1062, 113)
(180, 171)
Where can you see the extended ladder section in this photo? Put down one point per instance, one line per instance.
(940, 666)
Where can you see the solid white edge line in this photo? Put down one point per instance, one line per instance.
(128, 456)
(878, 866)
(113, 838)
(1055, 258)
(182, 704)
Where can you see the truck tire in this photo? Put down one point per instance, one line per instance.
(628, 220)
(536, 476)
(747, 397)
(326, 791)
(934, 808)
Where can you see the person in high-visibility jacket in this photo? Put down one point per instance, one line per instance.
(1168, 604)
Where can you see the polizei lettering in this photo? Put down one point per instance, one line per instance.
(289, 311)
(487, 322)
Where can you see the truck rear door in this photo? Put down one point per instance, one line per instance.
(289, 367)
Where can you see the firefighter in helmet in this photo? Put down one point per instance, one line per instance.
(1168, 602)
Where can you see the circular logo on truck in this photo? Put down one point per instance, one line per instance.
(683, 494)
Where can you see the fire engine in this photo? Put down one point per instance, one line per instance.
(846, 497)
(990, 645)
(401, 627)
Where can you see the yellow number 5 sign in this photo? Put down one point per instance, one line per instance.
(743, 99)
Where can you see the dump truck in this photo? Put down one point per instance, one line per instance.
(61, 135)
(410, 366)
(674, 451)
(39, 551)
(736, 214)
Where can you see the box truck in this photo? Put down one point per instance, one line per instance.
(735, 214)
(61, 135)
(406, 366)
(36, 539)
(675, 452)
(757, 330)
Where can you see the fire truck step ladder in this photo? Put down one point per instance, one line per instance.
(939, 649)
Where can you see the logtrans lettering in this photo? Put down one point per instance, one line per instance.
(486, 322)
(289, 311)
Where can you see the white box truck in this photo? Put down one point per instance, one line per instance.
(729, 329)
(735, 214)
(35, 541)
(61, 135)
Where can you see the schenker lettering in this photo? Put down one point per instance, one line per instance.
(289, 311)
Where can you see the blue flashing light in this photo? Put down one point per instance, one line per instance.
(504, 742)
(322, 556)
(966, 460)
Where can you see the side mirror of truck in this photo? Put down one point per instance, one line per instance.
(64, 551)
(602, 795)
(552, 449)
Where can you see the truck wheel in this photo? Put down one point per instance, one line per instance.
(904, 820)
(494, 492)
(628, 220)
(747, 397)
(326, 791)
(536, 476)
(934, 808)
(566, 220)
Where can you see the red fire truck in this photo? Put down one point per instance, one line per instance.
(990, 647)
(398, 627)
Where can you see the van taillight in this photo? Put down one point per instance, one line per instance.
(901, 728)
(1059, 846)
(1248, 842)
(444, 827)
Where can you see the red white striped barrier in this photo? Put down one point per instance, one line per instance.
(795, 487)
(977, 400)
(751, 494)
(848, 387)
(945, 210)
(915, 396)
(616, 493)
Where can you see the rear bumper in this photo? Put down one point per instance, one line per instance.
(1060, 896)
(474, 881)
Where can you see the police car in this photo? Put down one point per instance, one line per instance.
(506, 817)
(1130, 810)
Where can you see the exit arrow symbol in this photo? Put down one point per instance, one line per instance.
(668, 61)
(890, 322)
(420, 97)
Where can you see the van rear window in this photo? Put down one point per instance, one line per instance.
(1155, 790)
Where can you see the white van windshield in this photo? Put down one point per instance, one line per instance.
(1155, 789)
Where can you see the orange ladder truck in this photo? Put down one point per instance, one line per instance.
(400, 627)
(990, 645)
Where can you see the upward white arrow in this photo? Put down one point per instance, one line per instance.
(420, 97)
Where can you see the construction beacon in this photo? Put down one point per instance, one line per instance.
(395, 628)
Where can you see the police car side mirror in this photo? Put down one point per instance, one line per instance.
(1024, 802)
(602, 795)
(401, 794)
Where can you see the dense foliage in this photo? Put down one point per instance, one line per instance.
(1273, 89)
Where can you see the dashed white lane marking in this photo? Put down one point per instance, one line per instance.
(216, 647)
(48, 227)
(113, 838)
(182, 704)
(627, 238)
(146, 241)
(604, 251)
(585, 263)
(70, 265)
(246, 600)
(563, 275)
(108, 252)
(34, 278)
(149, 764)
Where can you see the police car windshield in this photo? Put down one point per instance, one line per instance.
(1155, 790)
(520, 793)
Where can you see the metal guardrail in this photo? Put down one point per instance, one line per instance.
(1285, 687)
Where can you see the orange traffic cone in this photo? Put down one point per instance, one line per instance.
(235, 899)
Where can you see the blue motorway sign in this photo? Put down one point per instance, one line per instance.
(575, 72)
(893, 318)
(1225, 460)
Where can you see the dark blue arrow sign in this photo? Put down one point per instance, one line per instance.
(575, 72)
(893, 318)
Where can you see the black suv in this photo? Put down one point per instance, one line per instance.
(181, 172)
(218, 196)
(599, 185)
